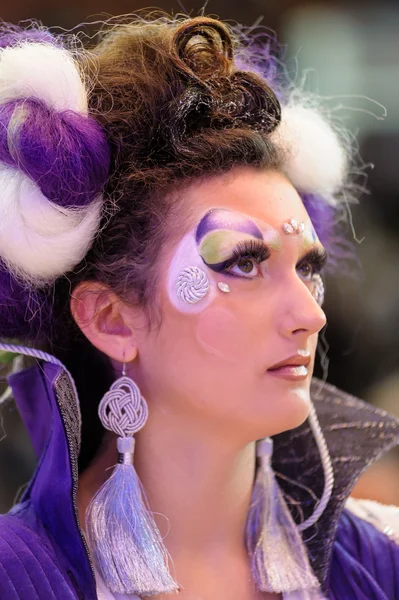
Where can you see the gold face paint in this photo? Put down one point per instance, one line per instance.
(217, 246)
(221, 231)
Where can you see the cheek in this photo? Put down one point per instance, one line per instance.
(220, 333)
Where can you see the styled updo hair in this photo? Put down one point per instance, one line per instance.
(95, 172)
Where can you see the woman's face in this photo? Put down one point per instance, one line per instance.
(208, 362)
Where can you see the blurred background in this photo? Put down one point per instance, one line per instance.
(350, 50)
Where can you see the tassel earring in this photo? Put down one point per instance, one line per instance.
(279, 561)
(126, 544)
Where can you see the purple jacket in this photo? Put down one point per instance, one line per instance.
(43, 555)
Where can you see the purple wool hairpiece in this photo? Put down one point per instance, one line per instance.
(65, 153)
(264, 55)
(322, 215)
(24, 313)
(11, 35)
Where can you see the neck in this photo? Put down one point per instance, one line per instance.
(198, 486)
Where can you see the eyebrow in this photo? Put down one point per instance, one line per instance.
(209, 224)
(316, 253)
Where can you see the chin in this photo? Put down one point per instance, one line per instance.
(289, 412)
(296, 418)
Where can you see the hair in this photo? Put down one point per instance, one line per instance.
(169, 101)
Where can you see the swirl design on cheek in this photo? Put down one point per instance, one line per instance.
(192, 285)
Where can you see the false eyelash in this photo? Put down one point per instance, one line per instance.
(317, 258)
(254, 249)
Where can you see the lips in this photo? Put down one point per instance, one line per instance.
(301, 358)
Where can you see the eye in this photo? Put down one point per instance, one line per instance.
(313, 263)
(246, 259)
(307, 270)
(245, 266)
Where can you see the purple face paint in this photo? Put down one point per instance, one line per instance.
(222, 218)
(222, 234)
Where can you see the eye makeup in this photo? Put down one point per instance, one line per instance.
(224, 237)
(222, 219)
(244, 253)
(234, 244)
(316, 257)
(220, 249)
(313, 233)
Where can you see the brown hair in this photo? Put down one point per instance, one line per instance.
(175, 108)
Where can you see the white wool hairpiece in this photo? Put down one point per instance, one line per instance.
(42, 71)
(315, 159)
(39, 241)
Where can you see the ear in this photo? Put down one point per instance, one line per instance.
(102, 317)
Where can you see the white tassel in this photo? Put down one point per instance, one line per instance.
(122, 534)
(279, 559)
(127, 546)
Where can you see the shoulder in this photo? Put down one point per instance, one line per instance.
(29, 569)
(366, 551)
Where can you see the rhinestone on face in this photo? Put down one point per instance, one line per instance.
(223, 287)
(292, 226)
(288, 228)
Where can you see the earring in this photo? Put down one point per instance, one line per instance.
(279, 561)
(125, 541)
(192, 285)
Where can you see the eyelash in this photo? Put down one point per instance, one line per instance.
(317, 259)
(256, 251)
(252, 250)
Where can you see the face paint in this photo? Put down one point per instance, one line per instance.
(186, 256)
(309, 236)
(220, 232)
(217, 247)
(313, 233)
(222, 218)
(221, 237)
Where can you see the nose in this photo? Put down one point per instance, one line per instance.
(301, 312)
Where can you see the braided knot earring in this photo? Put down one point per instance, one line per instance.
(122, 534)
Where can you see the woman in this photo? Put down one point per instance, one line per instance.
(167, 214)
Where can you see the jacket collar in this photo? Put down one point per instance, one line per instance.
(356, 433)
(49, 408)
